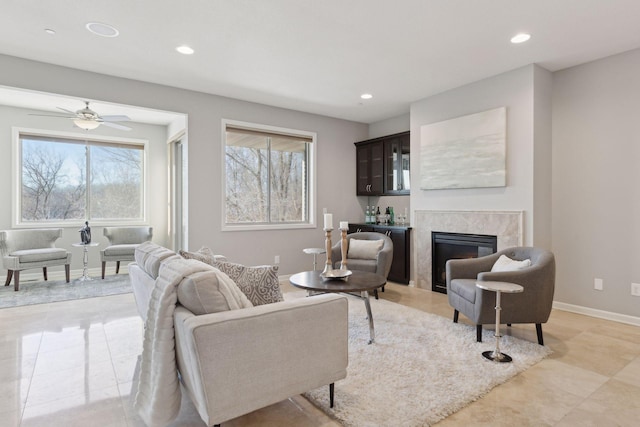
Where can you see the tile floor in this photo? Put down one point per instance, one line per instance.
(71, 364)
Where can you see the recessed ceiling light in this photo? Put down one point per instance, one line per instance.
(520, 38)
(103, 30)
(366, 96)
(50, 31)
(185, 50)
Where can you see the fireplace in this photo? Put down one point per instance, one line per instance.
(446, 246)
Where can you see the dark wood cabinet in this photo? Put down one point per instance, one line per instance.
(370, 168)
(396, 158)
(383, 165)
(400, 236)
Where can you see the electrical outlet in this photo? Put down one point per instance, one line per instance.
(635, 289)
(277, 259)
(597, 284)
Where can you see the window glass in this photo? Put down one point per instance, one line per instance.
(63, 179)
(267, 176)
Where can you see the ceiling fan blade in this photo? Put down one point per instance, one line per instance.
(116, 126)
(53, 115)
(66, 111)
(115, 118)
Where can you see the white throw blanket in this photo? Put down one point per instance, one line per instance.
(159, 396)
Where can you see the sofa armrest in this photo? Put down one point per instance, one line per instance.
(237, 361)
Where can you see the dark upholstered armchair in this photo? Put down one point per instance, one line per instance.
(379, 263)
(531, 306)
(123, 242)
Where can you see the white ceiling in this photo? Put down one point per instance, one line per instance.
(318, 56)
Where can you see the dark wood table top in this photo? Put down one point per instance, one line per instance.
(358, 281)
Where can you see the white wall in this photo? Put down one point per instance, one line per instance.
(390, 126)
(336, 155)
(596, 182)
(518, 91)
(156, 164)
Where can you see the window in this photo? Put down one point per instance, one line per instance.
(63, 179)
(268, 175)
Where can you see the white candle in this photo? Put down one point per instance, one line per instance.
(344, 225)
(328, 221)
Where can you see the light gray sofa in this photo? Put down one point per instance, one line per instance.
(33, 248)
(234, 362)
(531, 306)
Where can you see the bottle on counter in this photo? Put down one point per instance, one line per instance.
(391, 216)
(377, 218)
(366, 215)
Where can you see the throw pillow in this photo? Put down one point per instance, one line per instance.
(204, 254)
(210, 291)
(260, 283)
(504, 263)
(364, 249)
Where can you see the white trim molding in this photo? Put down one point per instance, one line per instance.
(601, 314)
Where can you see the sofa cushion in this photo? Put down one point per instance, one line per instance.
(210, 291)
(504, 263)
(260, 283)
(149, 256)
(204, 254)
(364, 249)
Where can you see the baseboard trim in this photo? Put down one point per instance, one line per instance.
(601, 314)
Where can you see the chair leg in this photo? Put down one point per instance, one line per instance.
(539, 332)
(9, 276)
(383, 288)
(117, 267)
(16, 280)
(331, 392)
(375, 293)
(44, 273)
(455, 316)
(104, 266)
(479, 333)
(67, 272)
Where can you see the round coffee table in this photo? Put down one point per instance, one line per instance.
(498, 288)
(358, 281)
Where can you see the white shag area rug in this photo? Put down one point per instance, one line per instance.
(421, 368)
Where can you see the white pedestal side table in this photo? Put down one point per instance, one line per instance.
(85, 259)
(498, 288)
(315, 252)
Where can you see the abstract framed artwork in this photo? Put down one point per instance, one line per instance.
(465, 152)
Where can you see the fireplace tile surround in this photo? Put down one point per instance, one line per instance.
(506, 225)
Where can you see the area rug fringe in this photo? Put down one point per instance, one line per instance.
(422, 367)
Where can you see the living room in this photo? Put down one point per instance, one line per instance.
(571, 157)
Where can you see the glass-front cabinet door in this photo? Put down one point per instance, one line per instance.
(397, 159)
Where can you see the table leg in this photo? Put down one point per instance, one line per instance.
(85, 265)
(496, 355)
(372, 332)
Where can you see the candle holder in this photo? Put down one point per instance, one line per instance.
(327, 242)
(344, 247)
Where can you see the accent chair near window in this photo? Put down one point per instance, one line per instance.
(123, 242)
(34, 248)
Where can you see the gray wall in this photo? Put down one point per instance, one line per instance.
(520, 91)
(335, 155)
(156, 165)
(596, 191)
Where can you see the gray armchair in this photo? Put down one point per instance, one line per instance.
(531, 306)
(381, 264)
(35, 248)
(123, 242)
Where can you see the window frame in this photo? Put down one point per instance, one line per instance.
(16, 177)
(311, 187)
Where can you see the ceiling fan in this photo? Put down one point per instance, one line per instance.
(88, 119)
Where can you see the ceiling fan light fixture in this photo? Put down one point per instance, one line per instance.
(86, 124)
